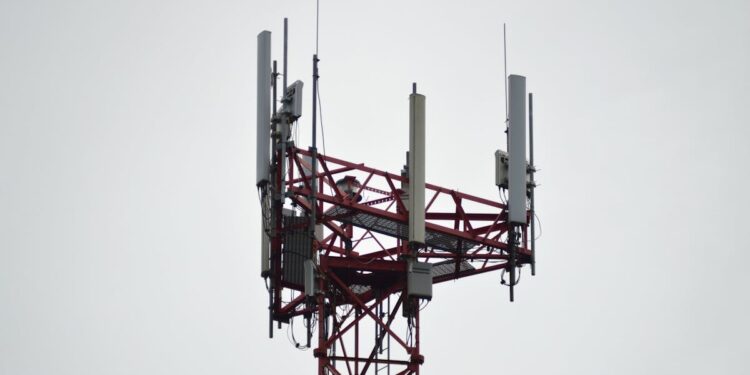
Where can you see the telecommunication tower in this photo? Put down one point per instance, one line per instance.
(352, 252)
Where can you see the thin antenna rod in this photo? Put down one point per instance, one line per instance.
(317, 24)
(270, 290)
(512, 260)
(315, 106)
(533, 187)
(286, 33)
(512, 230)
(313, 174)
(505, 72)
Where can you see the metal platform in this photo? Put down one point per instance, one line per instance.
(399, 230)
(448, 267)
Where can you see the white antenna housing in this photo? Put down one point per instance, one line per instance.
(517, 149)
(416, 167)
(292, 100)
(263, 136)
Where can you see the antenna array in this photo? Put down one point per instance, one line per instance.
(352, 245)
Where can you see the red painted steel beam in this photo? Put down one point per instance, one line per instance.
(404, 219)
(332, 369)
(460, 256)
(374, 360)
(461, 213)
(462, 274)
(375, 261)
(292, 305)
(364, 184)
(379, 340)
(297, 180)
(378, 201)
(397, 177)
(341, 250)
(369, 312)
(355, 264)
(400, 206)
(382, 253)
(503, 227)
(329, 177)
(299, 197)
(453, 216)
(356, 320)
(432, 200)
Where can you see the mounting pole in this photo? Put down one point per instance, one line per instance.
(512, 245)
(517, 169)
(505, 82)
(533, 185)
(313, 177)
(284, 125)
(314, 151)
(275, 76)
(505, 71)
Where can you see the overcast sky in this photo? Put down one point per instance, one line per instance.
(129, 218)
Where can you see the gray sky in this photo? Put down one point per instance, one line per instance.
(129, 217)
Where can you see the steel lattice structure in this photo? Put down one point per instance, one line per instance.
(347, 247)
(358, 269)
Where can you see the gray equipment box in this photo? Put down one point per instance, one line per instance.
(293, 101)
(296, 249)
(419, 280)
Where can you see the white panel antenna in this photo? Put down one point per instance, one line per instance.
(263, 136)
(416, 167)
(517, 149)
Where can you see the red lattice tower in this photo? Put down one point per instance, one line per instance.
(363, 257)
(341, 252)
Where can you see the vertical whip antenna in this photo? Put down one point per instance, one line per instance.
(316, 92)
(505, 73)
(317, 25)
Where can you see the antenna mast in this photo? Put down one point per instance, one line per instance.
(342, 252)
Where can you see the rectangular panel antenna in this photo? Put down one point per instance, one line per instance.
(416, 167)
(263, 136)
(517, 149)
